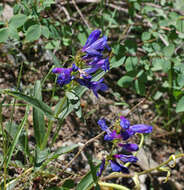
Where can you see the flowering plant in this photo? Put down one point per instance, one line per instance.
(87, 61)
(122, 131)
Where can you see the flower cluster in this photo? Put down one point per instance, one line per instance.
(88, 60)
(121, 132)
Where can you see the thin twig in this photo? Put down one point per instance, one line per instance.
(80, 13)
(78, 1)
(82, 148)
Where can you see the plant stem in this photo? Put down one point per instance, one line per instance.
(162, 164)
(114, 186)
(170, 80)
(140, 145)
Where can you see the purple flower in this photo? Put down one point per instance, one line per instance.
(141, 128)
(110, 135)
(128, 130)
(95, 45)
(64, 76)
(129, 147)
(98, 85)
(102, 124)
(123, 133)
(116, 167)
(100, 64)
(125, 123)
(102, 167)
(126, 158)
(92, 38)
(126, 134)
(93, 85)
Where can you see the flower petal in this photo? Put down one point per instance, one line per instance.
(129, 147)
(102, 124)
(102, 167)
(92, 38)
(125, 123)
(141, 128)
(116, 167)
(126, 158)
(126, 134)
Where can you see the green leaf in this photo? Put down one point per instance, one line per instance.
(93, 172)
(82, 38)
(34, 102)
(131, 46)
(41, 155)
(53, 45)
(146, 36)
(72, 96)
(12, 129)
(65, 149)
(16, 138)
(157, 64)
(157, 95)
(180, 25)
(45, 31)
(4, 33)
(131, 63)
(18, 20)
(87, 181)
(125, 81)
(68, 184)
(140, 87)
(38, 116)
(118, 63)
(109, 18)
(169, 50)
(58, 152)
(33, 33)
(180, 105)
(13, 33)
(180, 80)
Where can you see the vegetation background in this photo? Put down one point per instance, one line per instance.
(146, 84)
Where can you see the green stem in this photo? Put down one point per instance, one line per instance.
(170, 80)
(4, 144)
(162, 164)
(171, 158)
(114, 186)
(140, 145)
(7, 138)
(45, 140)
(45, 78)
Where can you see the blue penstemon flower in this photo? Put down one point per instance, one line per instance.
(121, 132)
(89, 60)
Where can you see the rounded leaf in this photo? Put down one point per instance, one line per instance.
(33, 33)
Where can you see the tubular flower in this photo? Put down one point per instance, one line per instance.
(95, 45)
(95, 86)
(110, 135)
(64, 76)
(116, 167)
(93, 50)
(129, 147)
(126, 158)
(116, 135)
(92, 38)
(102, 167)
(88, 60)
